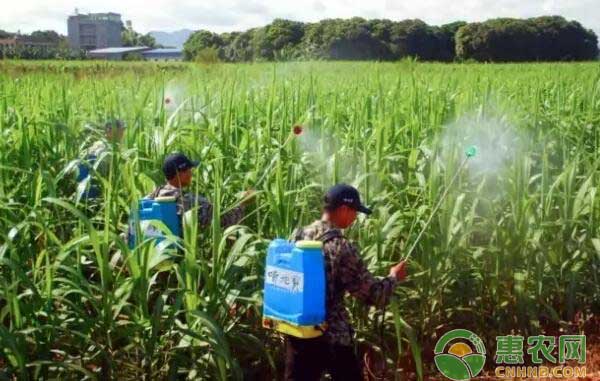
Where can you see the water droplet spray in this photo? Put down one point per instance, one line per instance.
(470, 152)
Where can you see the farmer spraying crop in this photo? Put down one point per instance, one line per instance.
(96, 157)
(333, 352)
(178, 171)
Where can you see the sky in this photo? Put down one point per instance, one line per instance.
(235, 15)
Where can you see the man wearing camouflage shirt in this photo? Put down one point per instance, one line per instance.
(308, 359)
(177, 169)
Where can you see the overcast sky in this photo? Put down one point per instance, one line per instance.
(229, 15)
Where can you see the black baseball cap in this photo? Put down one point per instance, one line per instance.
(177, 162)
(343, 194)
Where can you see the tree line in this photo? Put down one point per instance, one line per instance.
(548, 38)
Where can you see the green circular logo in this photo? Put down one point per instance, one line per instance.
(463, 359)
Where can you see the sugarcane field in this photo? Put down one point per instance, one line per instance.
(329, 208)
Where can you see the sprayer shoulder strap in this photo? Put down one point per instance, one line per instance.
(156, 192)
(325, 237)
(298, 234)
(329, 235)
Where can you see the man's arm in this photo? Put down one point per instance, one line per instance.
(233, 217)
(358, 281)
(99, 156)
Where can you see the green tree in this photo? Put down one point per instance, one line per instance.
(496, 40)
(559, 39)
(207, 56)
(535, 39)
(45, 36)
(237, 46)
(447, 39)
(273, 39)
(201, 40)
(414, 38)
(5, 34)
(130, 37)
(351, 39)
(63, 50)
(133, 56)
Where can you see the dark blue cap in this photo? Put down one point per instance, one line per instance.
(177, 162)
(343, 194)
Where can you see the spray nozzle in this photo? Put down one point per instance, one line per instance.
(298, 129)
(471, 151)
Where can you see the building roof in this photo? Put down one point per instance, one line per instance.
(110, 16)
(118, 50)
(164, 51)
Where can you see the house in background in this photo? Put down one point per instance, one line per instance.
(19, 42)
(95, 30)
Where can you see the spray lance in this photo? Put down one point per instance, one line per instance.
(469, 153)
(400, 324)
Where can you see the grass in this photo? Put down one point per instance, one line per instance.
(514, 248)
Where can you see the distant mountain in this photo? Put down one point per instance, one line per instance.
(175, 39)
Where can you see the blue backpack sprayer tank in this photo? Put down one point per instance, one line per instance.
(295, 287)
(86, 188)
(294, 299)
(157, 218)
